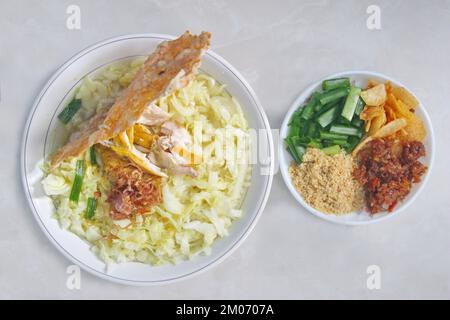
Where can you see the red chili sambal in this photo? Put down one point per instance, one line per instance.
(387, 172)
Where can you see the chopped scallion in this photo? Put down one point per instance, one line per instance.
(77, 181)
(91, 207)
(69, 111)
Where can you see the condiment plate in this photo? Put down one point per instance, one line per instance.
(359, 78)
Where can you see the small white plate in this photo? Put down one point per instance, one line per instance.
(41, 137)
(359, 78)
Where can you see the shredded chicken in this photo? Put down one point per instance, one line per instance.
(173, 162)
(179, 135)
(171, 150)
(153, 116)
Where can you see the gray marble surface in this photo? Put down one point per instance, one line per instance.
(280, 47)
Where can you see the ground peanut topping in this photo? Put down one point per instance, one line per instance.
(326, 182)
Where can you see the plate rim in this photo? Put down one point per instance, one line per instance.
(104, 275)
(331, 217)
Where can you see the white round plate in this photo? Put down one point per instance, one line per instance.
(359, 78)
(40, 139)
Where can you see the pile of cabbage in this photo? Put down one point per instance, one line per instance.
(195, 211)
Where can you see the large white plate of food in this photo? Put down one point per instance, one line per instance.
(138, 166)
(357, 147)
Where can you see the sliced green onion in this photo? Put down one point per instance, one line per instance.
(300, 141)
(332, 150)
(345, 130)
(327, 117)
(359, 106)
(350, 103)
(69, 111)
(315, 144)
(333, 95)
(91, 207)
(77, 181)
(324, 108)
(312, 128)
(300, 152)
(332, 136)
(295, 116)
(341, 142)
(352, 143)
(335, 83)
(294, 131)
(92, 156)
(292, 150)
(327, 120)
(357, 122)
(308, 110)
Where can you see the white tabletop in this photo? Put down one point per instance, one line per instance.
(280, 47)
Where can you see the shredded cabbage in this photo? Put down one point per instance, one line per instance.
(195, 211)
